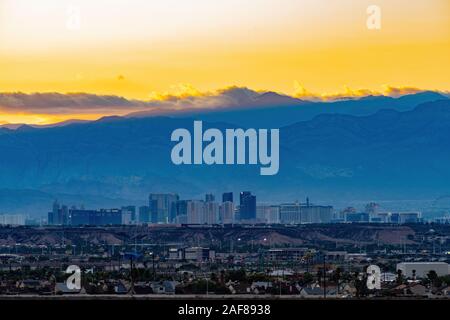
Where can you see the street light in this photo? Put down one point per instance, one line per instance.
(153, 265)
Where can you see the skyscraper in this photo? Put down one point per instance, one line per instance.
(53, 215)
(298, 213)
(227, 213)
(247, 209)
(182, 207)
(195, 212)
(59, 215)
(144, 214)
(100, 217)
(268, 214)
(227, 197)
(64, 215)
(211, 213)
(163, 207)
(131, 210)
(210, 198)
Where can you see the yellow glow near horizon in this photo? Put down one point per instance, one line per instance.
(43, 119)
(141, 48)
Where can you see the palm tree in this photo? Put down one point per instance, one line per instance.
(337, 276)
(399, 276)
(433, 277)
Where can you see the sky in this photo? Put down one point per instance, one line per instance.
(157, 50)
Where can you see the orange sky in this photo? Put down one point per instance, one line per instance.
(145, 49)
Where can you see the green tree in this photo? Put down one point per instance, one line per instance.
(237, 275)
(307, 278)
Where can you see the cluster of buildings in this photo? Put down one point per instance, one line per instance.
(18, 220)
(170, 209)
(372, 214)
(63, 215)
(12, 219)
(305, 272)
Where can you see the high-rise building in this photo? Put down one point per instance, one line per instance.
(358, 217)
(372, 210)
(163, 207)
(297, 213)
(201, 212)
(154, 212)
(405, 217)
(227, 197)
(132, 211)
(64, 215)
(126, 218)
(181, 217)
(100, 217)
(12, 219)
(53, 216)
(196, 212)
(59, 215)
(380, 217)
(210, 198)
(55, 209)
(182, 207)
(268, 214)
(50, 218)
(319, 214)
(247, 208)
(211, 213)
(291, 213)
(227, 213)
(342, 215)
(144, 214)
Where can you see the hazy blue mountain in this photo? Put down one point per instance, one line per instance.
(386, 155)
(289, 111)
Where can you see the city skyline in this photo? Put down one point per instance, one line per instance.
(170, 209)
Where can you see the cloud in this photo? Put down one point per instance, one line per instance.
(178, 91)
(349, 93)
(179, 97)
(186, 97)
(57, 103)
(400, 91)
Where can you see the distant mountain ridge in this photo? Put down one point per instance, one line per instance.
(15, 126)
(248, 108)
(386, 155)
(283, 115)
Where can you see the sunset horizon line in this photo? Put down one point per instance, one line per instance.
(50, 108)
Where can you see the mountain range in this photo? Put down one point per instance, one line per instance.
(268, 113)
(371, 148)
